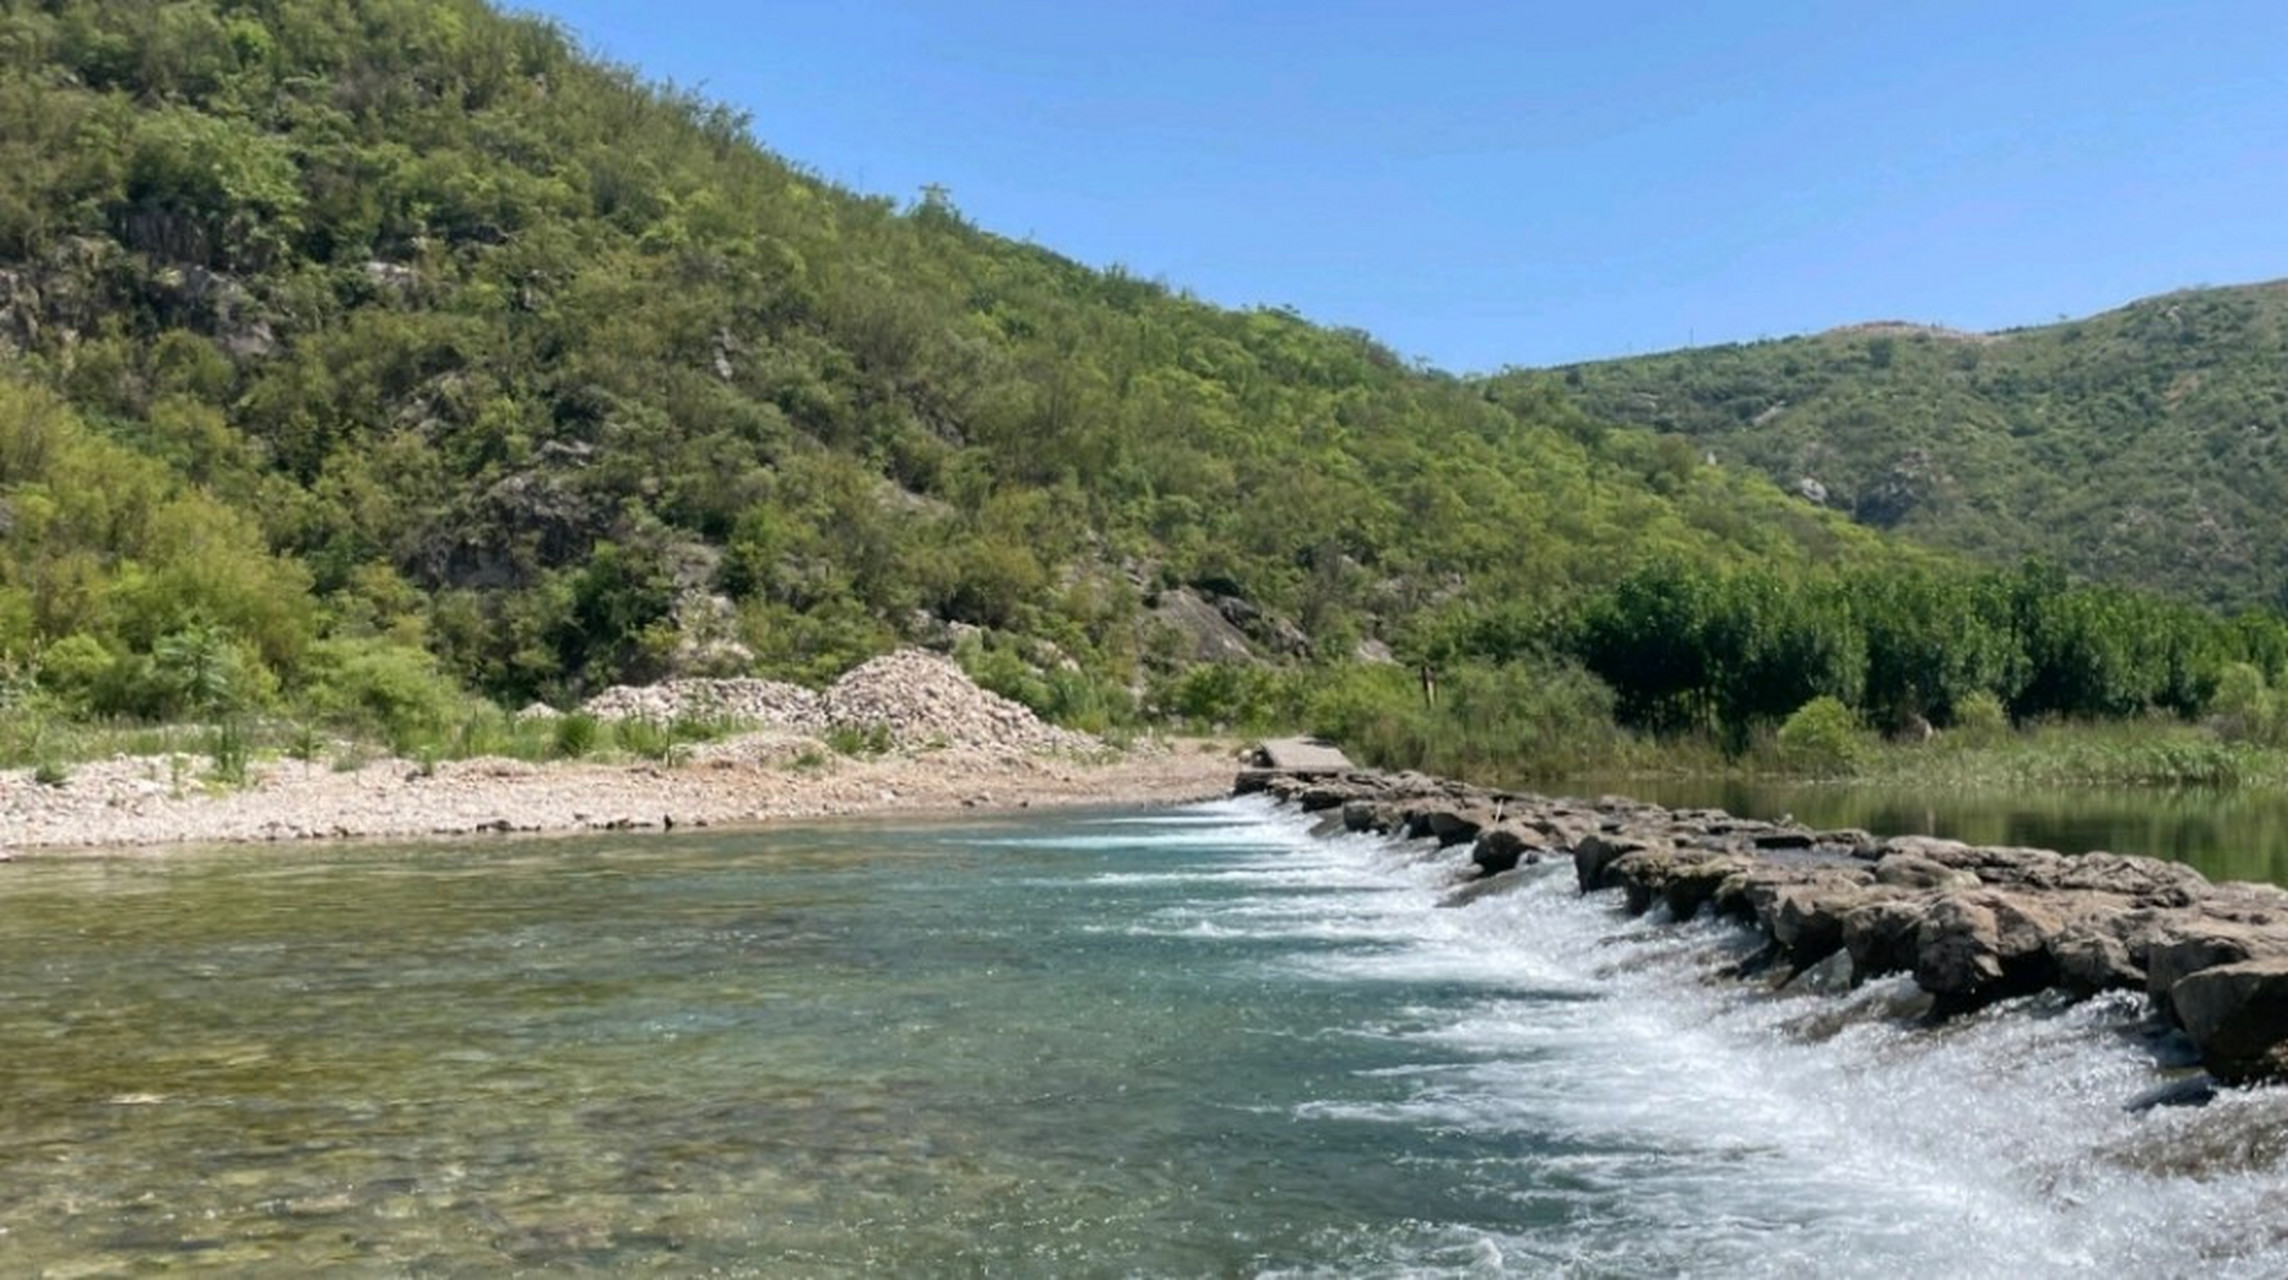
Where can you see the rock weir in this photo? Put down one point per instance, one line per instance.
(1972, 924)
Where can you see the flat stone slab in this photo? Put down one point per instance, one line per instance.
(1301, 755)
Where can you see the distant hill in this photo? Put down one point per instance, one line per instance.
(414, 330)
(2142, 446)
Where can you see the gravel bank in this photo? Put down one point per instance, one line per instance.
(751, 779)
(955, 746)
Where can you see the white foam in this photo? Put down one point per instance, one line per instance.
(1670, 1121)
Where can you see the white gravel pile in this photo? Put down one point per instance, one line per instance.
(924, 700)
(919, 698)
(765, 702)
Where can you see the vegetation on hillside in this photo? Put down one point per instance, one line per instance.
(434, 350)
(367, 354)
(2142, 447)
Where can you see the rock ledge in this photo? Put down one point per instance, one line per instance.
(1972, 924)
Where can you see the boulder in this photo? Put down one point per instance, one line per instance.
(1972, 949)
(1806, 919)
(1852, 842)
(1946, 853)
(1564, 827)
(1881, 932)
(1498, 849)
(2238, 1014)
(1456, 826)
(1301, 755)
(1695, 882)
(1679, 878)
(1831, 976)
(2188, 944)
(1203, 634)
(1594, 853)
(1907, 871)
(2150, 881)
(1415, 822)
(2092, 955)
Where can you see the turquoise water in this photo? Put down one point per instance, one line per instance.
(1182, 1042)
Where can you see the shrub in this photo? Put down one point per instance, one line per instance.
(228, 747)
(1979, 719)
(1532, 717)
(855, 740)
(2242, 707)
(370, 683)
(1238, 696)
(1823, 737)
(73, 668)
(575, 735)
(641, 736)
(203, 670)
(1061, 694)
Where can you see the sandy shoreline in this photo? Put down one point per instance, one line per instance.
(143, 803)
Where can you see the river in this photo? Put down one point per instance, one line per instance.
(1178, 1042)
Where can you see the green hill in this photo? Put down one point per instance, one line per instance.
(357, 346)
(2143, 446)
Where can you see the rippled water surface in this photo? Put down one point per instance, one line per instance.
(1188, 1042)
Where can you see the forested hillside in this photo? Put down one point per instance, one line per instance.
(2144, 446)
(347, 331)
(361, 353)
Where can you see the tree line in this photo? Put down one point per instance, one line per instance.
(1690, 647)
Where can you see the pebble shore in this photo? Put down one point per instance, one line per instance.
(954, 747)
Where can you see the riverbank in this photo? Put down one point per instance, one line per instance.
(752, 778)
(1972, 925)
(904, 734)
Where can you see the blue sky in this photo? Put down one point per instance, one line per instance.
(1491, 184)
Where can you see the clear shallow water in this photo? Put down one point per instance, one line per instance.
(1194, 1042)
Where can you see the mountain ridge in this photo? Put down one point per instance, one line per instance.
(2137, 445)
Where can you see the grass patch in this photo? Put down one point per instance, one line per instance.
(576, 735)
(645, 738)
(2140, 754)
(230, 751)
(859, 740)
